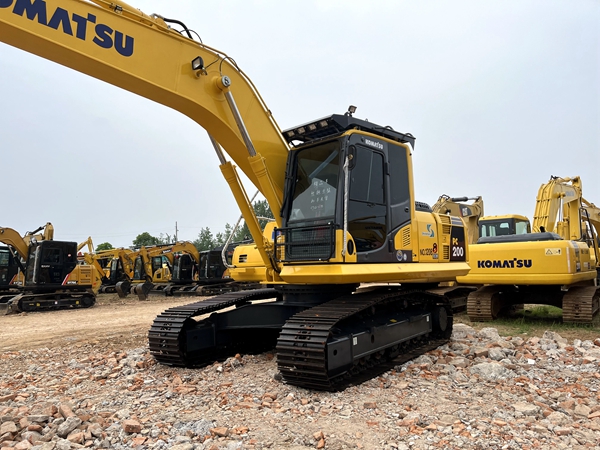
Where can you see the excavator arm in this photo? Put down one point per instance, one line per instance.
(592, 213)
(11, 237)
(470, 213)
(179, 247)
(557, 207)
(47, 233)
(89, 243)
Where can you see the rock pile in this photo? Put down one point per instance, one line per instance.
(478, 391)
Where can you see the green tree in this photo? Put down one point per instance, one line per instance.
(220, 239)
(261, 209)
(205, 240)
(104, 246)
(145, 239)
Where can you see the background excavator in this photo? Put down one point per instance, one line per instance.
(209, 277)
(114, 265)
(557, 264)
(477, 224)
(15, 264)
(53, 278)
(471, 213)
(153, 269)
(9, 268)
(341, 190)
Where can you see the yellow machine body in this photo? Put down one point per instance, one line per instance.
(557, 262)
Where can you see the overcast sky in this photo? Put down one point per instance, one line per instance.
(499, 94)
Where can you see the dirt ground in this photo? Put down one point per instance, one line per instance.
(124, 323)
(113, 321)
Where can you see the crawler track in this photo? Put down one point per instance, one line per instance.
(48, 302)
(167, 339)
(303, 356)
(580, 304)
(483, 305)
(387, 327)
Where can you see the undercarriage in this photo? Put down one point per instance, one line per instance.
(325, 336)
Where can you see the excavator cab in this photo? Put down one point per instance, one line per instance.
(185, 269)
(503, 225)
(339, 167)
(8, 267)
(49, 264)
(116, 271)
(211, 266)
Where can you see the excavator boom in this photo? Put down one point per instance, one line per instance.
(14, 239)
(557, 199)
(120, 45)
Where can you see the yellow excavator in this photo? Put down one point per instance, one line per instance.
(115, 265)
(556, 264)
(211, 276)
(341, 190)
(153, 269)
(52, 277)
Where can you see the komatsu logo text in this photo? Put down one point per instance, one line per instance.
(375, 144)
(72, 24)
(504, 263)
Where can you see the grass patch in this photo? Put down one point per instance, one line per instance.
(543, 312)
(534, 320)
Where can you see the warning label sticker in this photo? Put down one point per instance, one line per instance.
(553, 251)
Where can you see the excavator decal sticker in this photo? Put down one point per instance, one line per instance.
(36, 10)
(504, 264)
(430, 232)
(458, 250)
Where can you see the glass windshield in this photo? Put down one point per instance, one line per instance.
(317, 171)
(4, 257)
(522, 227)
(496, 228)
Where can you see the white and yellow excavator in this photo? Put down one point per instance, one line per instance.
(341, 190)
(556, 264)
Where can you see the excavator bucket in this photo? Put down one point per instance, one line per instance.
(142, 290)
(5, 304)
(122, 288)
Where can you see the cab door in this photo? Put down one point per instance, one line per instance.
(367, 207)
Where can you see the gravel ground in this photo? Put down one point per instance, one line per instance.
(481, 391)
